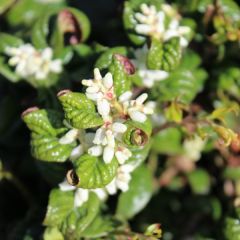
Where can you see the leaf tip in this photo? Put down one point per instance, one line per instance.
(29, 110)
(63, 92)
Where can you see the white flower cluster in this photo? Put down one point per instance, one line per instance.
(108, 137)
(33, 63)
(153, 23)
(121, 181)
(107, 141)
(149, 77)
(193, 147)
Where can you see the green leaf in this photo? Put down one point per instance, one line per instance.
(8, 40)
(155, 55)
(41, 30)
(182, 84)
(79, 110)
(168, 141)
(121, 81)
(59, 206)
(199, 181)
(136, 198)
(139, 154)
(100, 227)
(80, 218)
(26, 12)
(93, 172)
(38, 122)
(44, 140)
(171, 54)
(105, 58)
(52, 233)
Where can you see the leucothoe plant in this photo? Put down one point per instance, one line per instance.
(147, 125)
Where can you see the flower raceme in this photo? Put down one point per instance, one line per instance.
(108, 138)
(33, 63)
(153, 23)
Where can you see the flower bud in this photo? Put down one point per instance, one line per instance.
(139, 137)
(72, 178)
(128, 65)
(69, 27)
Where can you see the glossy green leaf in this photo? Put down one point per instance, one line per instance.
(136, 198)
(26, 12)
(139, 154)
(79, 110)
(59, 206)
(100, 227)
(182, 84)
(121, 81)
(105, 58)
(80, 218)
(52, 233)
(44, 140)
(41, 30)
(93, 172)
(155, 55)
(171, 54)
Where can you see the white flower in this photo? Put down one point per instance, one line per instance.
(135, 108)
(105, 142)
(122, 179)
(153, 23)
(30, 62)
(193, 147)
(69, 137)
(81, 195)
(100, 89)
(77, 152)
(149, 77)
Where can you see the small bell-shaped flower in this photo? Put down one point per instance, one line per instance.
(81, 195)
(136, 110)
(100, 89)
